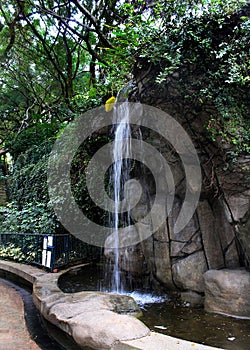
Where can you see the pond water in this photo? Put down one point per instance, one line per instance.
(164, 315)
(198, 326)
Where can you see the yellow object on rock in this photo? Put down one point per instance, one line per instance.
(109, 104)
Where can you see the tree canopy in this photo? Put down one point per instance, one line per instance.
(59, 58)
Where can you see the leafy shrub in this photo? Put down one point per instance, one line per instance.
(12, 252)
(31, 218)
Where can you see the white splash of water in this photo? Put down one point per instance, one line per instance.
(147, 298)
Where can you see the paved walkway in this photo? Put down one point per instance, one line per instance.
(13, 332)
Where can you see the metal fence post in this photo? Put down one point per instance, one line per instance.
(66, 249)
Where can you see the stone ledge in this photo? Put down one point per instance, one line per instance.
(161, 342)
(91, 318)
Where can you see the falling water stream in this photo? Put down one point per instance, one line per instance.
(120, 175)
(123, 162)
(116, 280)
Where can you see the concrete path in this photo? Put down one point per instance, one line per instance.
(13, 332)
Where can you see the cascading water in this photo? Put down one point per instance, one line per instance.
(121, 156)
(118, 277)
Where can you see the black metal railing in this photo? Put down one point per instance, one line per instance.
(52, 251)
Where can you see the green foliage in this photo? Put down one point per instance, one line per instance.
(12, 252)
(33, 217)
(28, 182)
(29, 211)
(207, 44)
(202, 33)
(78, 178)
(36, 139)
(231, 128)
(59, 59)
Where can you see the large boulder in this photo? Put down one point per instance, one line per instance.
(227, 292)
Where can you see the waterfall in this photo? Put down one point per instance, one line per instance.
(126, 177)
(121, 155)
(128, 188)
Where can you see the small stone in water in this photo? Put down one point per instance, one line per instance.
(231, 338)
(160, 327)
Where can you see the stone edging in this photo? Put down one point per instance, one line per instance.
(91, 318)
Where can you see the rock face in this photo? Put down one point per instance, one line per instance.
(227, 292)
(188, 272)
(217, 236)
(209, 240)
(192, 298)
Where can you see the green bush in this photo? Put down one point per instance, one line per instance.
(33, 217)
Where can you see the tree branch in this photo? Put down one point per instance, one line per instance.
(94, 22)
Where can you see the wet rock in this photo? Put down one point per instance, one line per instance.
(163, 271)
(189, 230)
(139, 211)
(131, 259)
(194, 245)
(176, 249)
(227, 292)
(188, 272)
(231, 256)
(223, 227)
(237, 206)
(192, 298)
(147, 247)
(161, 234)
(245, 236)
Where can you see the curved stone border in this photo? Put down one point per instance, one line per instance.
(93, 318)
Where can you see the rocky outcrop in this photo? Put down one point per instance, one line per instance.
(188, 272)
(227, 292)
(217, 236)
(244, 230)
(93, 319)
(178, 260)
